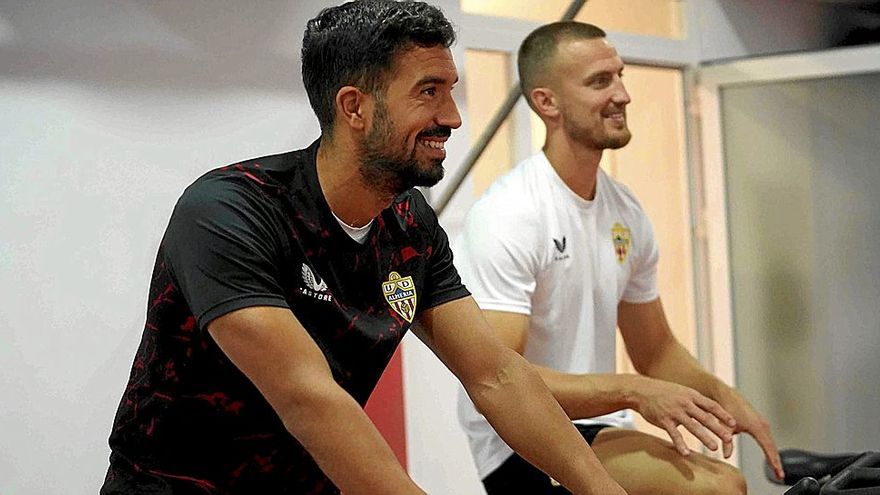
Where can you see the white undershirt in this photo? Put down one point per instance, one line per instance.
(359, 234)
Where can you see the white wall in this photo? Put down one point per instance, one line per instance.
(108, 109)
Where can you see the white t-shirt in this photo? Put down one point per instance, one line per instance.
(530, 245)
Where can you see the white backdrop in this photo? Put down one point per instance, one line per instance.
(108, 111)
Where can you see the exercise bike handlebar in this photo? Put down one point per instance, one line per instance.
(811, 473)
(800, 464)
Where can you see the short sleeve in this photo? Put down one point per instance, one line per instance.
(495, 259)
(642, 284)
(223, 249)
(443, 284)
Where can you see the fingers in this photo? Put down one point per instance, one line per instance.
(705, 417)
(701, 432)
(677, 440)
(715, 408)
(717, 425)
(727, 449)
(761, 434)
(701, 416)
(705, 436)
(719, 421)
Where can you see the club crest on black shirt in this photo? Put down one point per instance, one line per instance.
(400, 292)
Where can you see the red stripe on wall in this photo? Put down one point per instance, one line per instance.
(385, 407)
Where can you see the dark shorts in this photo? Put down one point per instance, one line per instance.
(517, 476)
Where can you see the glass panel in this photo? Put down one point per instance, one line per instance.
(802, 178)
(661, 18)
(485, 73)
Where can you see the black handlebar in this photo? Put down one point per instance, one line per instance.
(806, 486)
(861, 477)
(846, 474)
(799, 464)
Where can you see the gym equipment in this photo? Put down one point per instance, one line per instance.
(811, 473)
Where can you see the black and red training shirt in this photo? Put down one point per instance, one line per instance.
(260, 233)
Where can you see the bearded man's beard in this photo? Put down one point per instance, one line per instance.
(388, 169)
(596, 137)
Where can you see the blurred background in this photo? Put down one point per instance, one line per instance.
(754, 154)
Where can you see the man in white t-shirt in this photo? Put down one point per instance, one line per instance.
(558, 254)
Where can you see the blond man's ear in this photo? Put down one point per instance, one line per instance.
(544, 102)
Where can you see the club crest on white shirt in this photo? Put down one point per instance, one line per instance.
(314, 286)
(622, 239)
(400, 292)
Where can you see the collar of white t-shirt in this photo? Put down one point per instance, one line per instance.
(560, 184)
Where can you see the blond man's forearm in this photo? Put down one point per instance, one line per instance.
(675, 364)
(590, 395)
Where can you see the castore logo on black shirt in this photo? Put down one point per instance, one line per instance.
(314, 286)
